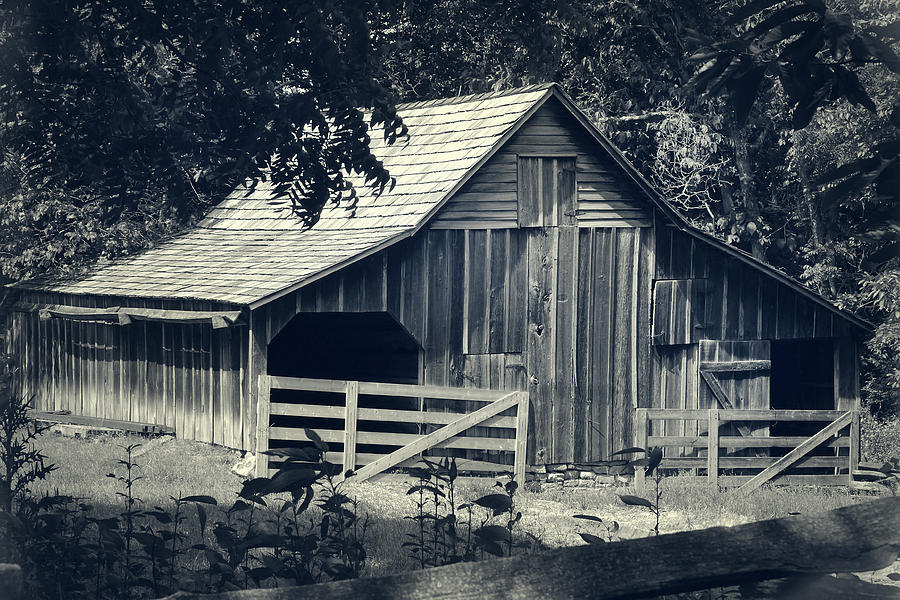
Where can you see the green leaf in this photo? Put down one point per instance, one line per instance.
(494, 533)
(631, 450)
(316, 439)
(591, 539)
(425, 488)
(635, 500)
(588, 518)
(744, 90)
(491, 547)
(201, 499)
(499, 503)
(656, 455)
(289, 479)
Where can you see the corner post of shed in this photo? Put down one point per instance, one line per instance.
(262, 426)
(257, 364)
(846, 392)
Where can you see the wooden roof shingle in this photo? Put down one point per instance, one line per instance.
(252, 246)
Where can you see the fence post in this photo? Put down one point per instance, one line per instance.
(521, 439)
(854, 446)
(641, 433)
(351, 402)
(263, 401)
(712, 456)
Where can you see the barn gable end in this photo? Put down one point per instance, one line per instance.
(492, 197)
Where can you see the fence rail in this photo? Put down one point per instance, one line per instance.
(445, 427)
(840, 430)
(784, 553)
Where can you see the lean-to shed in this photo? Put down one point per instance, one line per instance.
(518, 250)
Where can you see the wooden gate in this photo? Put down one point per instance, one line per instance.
(409, 445)
(797, 466)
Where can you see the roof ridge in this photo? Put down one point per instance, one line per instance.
(535, 87)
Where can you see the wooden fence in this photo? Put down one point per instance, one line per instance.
(757, 454)
(779, 558)
(349, 414)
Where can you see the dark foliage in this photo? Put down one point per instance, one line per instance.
(121, 121)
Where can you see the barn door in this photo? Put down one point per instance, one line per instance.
(735, 375)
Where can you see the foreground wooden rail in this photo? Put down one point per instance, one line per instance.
(863, 537)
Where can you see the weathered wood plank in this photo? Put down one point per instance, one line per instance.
(529, 192)
(384, 415)
(541, 341)
(437, 324)
(262, 425)
(584, 332)
(741, 442)
(603, 319)
(712, 455)
(372, 388)
(624, 391)
(456, 317)
(791, 457)
(87, 421)
(860, 537)
(477, 282)
(521, 457)
(498, 298)
(736, 365)
(563, 395)
(441, 435)
(517, 291)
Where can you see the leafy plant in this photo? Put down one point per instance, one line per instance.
(650, 464)
(23, 463)
(439, 538)
(491, 536)
(442, 537)
(612, 530)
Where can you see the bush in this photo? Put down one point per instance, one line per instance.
(879, 437)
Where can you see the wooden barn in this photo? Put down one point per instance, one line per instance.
(518, 252)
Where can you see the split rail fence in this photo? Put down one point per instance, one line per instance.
(445, 428)
(753, 452)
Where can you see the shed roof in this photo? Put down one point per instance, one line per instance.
(251, 248)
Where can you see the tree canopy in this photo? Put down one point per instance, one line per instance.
(122, 120)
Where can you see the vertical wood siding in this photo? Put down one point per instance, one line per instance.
(553, 310)
(183, 376)
(701, 293)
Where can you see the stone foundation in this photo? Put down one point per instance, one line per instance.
(595, 474)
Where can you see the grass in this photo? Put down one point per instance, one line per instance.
(173, 467)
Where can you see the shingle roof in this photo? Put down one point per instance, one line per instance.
(252, 246)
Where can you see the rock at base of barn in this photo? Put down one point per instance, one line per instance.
(245, 466)
(595, 474)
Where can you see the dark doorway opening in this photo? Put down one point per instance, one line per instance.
(345, 346)
(802, 379)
